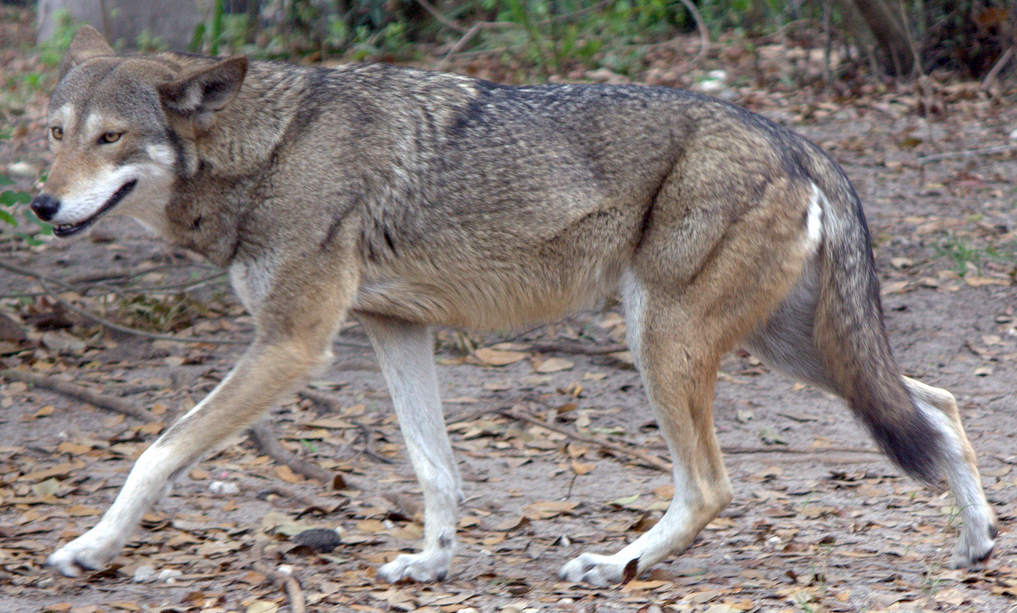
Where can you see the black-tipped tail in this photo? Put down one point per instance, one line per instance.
(850, 335)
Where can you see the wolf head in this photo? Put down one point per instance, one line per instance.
(123, 130)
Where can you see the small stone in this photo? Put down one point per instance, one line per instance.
(223, 488)
(169, 575)
(321, 540)
(24, 170)
(144, 574)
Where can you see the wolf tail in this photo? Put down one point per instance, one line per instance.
(830, 331)
(851, 336)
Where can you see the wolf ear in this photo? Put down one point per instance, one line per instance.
(87, 44)
(205, 90)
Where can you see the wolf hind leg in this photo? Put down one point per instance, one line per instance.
(678, 363)
(786, 342)
(405, 353)
(979, 529)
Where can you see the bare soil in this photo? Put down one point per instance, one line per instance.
(819, 522)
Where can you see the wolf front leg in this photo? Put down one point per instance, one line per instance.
(277, 361)
(405, 353)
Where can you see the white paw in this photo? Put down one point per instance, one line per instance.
(424, 567)
(975, 547)
(90, 551)
(597, 570)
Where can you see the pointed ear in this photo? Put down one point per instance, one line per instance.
(204, 90)
(87, 44)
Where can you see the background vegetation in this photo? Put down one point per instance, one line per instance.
(888, 37)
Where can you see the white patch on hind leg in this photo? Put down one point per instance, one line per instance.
(978, 530)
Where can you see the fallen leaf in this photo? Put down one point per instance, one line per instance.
(896, 287)
(983, 281)
(624, 502)
(554, 365)
(548, 509)
(582, 468)
(494, 357)
(510, 524)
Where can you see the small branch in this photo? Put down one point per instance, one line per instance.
(445, 21)
(468, 36)
(284, 492)
(286, 581)
(260, 434)
(266, 442)
(579, 348)
(996, 68)
(469, 33)
(77, 392)
(704, 34)
(925, 159)
(650, 460)
(653, 460)
(792, 450)
(336, 407)
(44, 281)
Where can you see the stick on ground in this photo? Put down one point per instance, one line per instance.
(77, 392)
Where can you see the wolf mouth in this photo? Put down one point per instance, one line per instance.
(63, 230)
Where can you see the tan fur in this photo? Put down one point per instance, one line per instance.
(409, 199)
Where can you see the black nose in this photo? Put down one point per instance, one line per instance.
(45, 206)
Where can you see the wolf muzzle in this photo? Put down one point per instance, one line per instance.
(45, 206)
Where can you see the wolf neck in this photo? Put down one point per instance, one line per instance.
(229, 161)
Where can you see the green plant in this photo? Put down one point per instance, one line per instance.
(13, 209)
(64, 29)
(966, 257)
(147, 42)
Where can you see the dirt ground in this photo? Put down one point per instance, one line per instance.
(819, 521)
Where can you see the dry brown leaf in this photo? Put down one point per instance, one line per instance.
(495, 357)
(554, 365)
(582, 468)
(286, 474)
(510, 524)
(548, 509)
(983, 281)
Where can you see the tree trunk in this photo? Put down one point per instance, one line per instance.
(887, 27)
(171, 21)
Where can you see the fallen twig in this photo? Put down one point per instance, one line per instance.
(336, 407)
(45, 281)
(77, 392)
(794, 450)
(263, 438)
(281, 579)
(1001, 63)
(651, 460)
(268, 443)
(935, 157)
(566, 346)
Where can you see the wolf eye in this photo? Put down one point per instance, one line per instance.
(56, 132)
(109, 138)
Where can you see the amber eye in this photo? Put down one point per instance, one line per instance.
(109, 138)
(56, 132)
